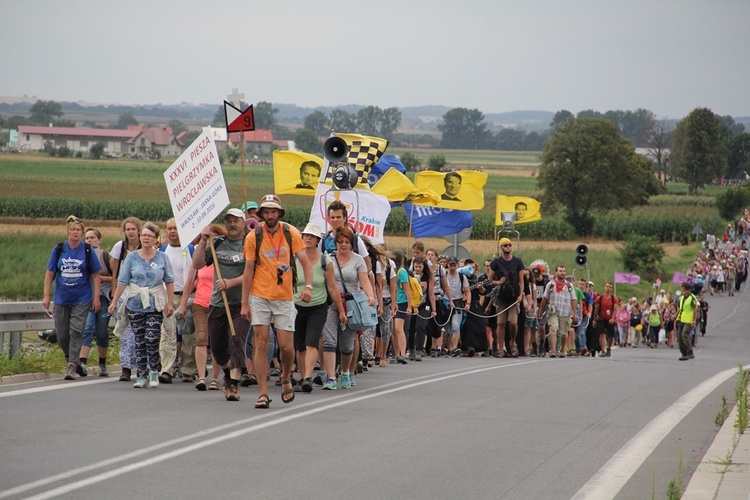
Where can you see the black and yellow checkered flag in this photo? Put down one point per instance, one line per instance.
(364, 152)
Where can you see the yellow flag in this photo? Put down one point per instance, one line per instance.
(526, 209)
(364, 152)
(295, 172)
(398, 188)
(461, 190)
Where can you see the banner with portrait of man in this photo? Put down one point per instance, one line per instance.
(526, 209)
(295, 172)
(459, 190)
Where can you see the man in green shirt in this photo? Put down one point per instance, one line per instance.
(686, 315)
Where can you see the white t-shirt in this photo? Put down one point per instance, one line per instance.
(180, 261)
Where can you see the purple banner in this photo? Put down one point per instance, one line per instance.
(628, 279)
(679, 278)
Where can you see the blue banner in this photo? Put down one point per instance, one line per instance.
(382, 166)
(428, 222)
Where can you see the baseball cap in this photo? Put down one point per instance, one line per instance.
(452, 259)
(236, 212)
(249, 205)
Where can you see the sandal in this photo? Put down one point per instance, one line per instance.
(214, 385)
(263, 402)
(200, 384)
(287, 396)
(513, 351)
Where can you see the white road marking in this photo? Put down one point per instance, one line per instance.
(612, 477)
(328, 404)
(72, 385)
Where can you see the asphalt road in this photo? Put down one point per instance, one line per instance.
(445, 428)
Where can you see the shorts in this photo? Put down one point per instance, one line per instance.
(558, 324)
(531, 322)
(308, 326)
(200, 321)
(401, 313)
(509, 316)
(283, 313)
(604, 327)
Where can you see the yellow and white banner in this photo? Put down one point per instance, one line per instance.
(295, 172)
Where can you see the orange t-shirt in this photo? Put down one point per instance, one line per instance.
(273, 250)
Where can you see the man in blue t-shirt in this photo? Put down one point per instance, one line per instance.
(75, 270)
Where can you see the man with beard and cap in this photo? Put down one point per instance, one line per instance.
(268, 292)
(228, 350)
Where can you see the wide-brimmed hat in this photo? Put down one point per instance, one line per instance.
(271, 201)
(314, 230)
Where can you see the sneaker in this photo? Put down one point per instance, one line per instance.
(307, 384)
(82, 370)
(320, 378)
(274, 371)
(125, 375)
(69, 372)
(412, 355)
(609, 352)
(346, 381)
(234, 393)
(692, 356)
(330, 385)
(140, 383)
(402, 360)
(354, 380)
(103, 371)
(153, 379)
(684, 358)
(433, 353)
(245, 380)
(470, 352)
(360, 367)
(165, 378)
(418, 356)
(200, 384)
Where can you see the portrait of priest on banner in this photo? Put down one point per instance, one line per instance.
(309, 175)
(452, 184)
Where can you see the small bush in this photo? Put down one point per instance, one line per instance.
(731, 202)
(642, 255)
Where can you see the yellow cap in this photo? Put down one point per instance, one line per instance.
(503, 241)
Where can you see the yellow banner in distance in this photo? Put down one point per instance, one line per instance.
(460, 190)
(526, 209)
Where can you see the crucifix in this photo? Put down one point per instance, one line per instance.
(236, 99)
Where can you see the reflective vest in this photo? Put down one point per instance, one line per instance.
(686, 312)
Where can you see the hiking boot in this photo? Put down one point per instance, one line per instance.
(82, 370)
(330, 385)
(307, 384)
(320, 378)
(346, 381)
(69, 372)
(153, 379)
(234, 393)
(103, 371)
(140, 383)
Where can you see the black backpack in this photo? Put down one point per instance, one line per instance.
(511, 288)
(86, 248)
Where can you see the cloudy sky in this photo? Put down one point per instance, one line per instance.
(668, 56)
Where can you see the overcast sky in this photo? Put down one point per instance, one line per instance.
(669, 56)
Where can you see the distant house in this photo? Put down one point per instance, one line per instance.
(133, 140)
(159, 139)
(258, 141)
(32, 138)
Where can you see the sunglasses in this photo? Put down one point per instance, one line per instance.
(506, 245)
(279, 276)
(73, 218)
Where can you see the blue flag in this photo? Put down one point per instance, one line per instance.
(430, 222)
(382, 166)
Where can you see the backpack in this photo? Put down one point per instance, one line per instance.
(416, 290)
(86, 248)
(510, 290)
(292, 258)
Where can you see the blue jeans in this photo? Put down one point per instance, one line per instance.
(581, 333)
(97, 323)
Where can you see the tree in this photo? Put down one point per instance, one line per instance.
(177, 127)
(97, 150)
(699, 155)
(561, 117)
(533, 141)
(659, 140)
(509, 139)
(738, 160)
(732, 201)
(637, 125)
(368, 120)
(642, 255)
(342, 121)
(45, 112)
(125, 120)
(390, 121)
(265, 115)
(586, 166)
(318, 123)
(307, 140)
(437, 162)
(464, 128)
(410, 161)
(219, 118)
